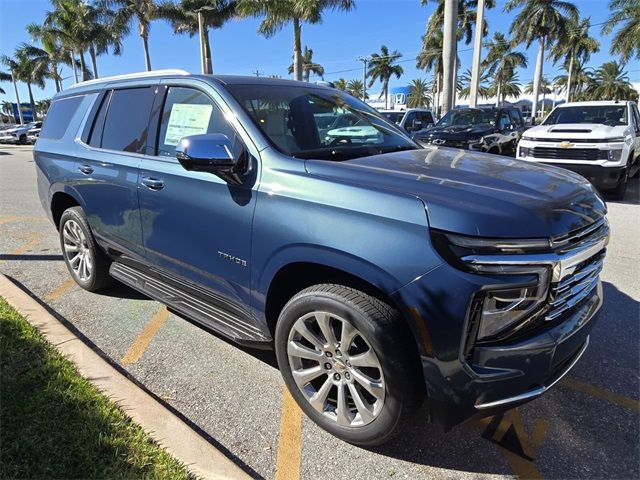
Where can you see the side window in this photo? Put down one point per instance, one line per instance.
(426, 118)
(636, 114)
(127, 120)
(95, 136)
(188, 111)
(503, 121)
(516, 117)
(408, 121)
(59, 116)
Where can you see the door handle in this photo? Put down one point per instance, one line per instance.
(152, 183)
(86, 169)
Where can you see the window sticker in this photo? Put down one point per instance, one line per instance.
(187, 119)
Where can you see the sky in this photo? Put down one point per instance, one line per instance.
(337, 42)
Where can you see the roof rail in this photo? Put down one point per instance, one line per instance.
(126, 76)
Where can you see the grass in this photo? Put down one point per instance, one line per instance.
(55, 424)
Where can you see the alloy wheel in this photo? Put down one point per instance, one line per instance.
(336, 369)
(77, 251)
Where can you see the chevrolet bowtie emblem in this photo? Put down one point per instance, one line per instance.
(566, 144)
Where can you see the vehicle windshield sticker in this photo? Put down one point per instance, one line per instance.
(187, 119)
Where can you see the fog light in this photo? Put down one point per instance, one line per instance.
(615, 155)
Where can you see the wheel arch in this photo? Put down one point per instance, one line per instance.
(62, 200)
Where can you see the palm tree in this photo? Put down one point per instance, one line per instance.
(381, 67)
(581, 81)
(611, 82)
(419, 94)
(466, 19)
(25, 70)
(42, 106)
(545, 88)
(183, 18)
(625, 41)
(308, 65)
(279, 13)
(128, 11)
(4, 77)
(430, 59)
(501, 61)
(484, 90)
(340, 84)
(509, 87)
(575, 44)
(540, 21)
(355, 88)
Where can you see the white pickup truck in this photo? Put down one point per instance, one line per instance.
(18, 134)
(599, 140)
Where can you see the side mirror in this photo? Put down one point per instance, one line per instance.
(416, 125)
(213, 153)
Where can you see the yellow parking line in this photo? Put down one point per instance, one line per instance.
(289, 442)
(60, 290)
(16, 218)
(33, 241)
(601, 393)
(141, 343)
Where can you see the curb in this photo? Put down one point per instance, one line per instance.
(173, 434)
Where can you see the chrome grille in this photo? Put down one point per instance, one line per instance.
(552, 153)
(571, 289)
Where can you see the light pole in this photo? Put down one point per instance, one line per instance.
(365, 61)
(477, 48)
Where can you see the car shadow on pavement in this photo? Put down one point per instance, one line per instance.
(632, 197)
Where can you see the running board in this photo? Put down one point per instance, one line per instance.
(210, 316)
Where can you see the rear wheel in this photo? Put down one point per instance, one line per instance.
(343, 355)
(23, 139)
(86, 262)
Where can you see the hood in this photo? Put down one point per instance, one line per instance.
(456, 132)
(477, 194)
(586, 131)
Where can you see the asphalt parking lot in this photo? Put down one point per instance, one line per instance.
(586, 427)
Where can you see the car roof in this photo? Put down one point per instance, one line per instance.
(99, 83)
(594, 103)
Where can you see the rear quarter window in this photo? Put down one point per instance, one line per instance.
(126, 126)
(58, 117)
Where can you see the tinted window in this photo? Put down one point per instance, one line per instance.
(286, 115)
(127, 123)
(426, 118)
(59, 116)
(516, 117)
(95, 137)
(189, 112)
(468, 117)
(611, 115)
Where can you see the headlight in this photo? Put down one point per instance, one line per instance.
(524, 137)
(507, 308)
(615, 154)
(615, 140)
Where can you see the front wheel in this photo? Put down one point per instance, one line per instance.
(619, 192)
(344, 357)
(86, 262)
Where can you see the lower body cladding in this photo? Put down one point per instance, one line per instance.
(489, 377)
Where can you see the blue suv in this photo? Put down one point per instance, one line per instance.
(382, 273)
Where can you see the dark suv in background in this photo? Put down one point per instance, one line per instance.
(491, 130)
(382, 273)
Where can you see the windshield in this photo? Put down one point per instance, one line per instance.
(311, 122)
(395, 117)
(611, 115)
(462, 118)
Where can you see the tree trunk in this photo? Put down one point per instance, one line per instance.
(477, 50)
(297, 50)
(83, 66)
(499, 92)
(56, 77)
(15, 88)
(144, 34)
(94, 64)
(32, 102)
(208, 59)
(537, 79)
(569, 74)
(437, 99)
(448, 53)
(73, 65)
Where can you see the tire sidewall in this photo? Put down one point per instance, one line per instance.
(379, 429)
(76, 214)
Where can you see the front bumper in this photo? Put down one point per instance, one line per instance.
(9, 139)
(601, 177)
(496, 376)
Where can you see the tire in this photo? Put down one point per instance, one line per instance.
(619, 192)
(91, 269)
(380, 339)
(22, 140)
